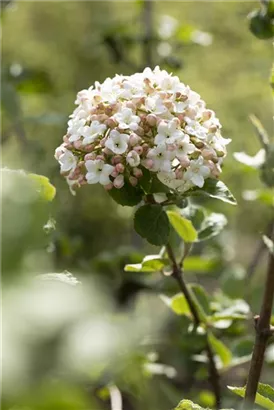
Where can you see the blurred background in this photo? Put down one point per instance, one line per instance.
(67, 346)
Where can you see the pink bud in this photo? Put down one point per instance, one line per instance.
(130, 105)
(115, 160)
(100, 157)
(208, 153)
(102, 142)
(133, 181)
(134, 139)
(145, 148)
(179, 174)
(119, 181)
(151, 119)
(171, 147)
(185, 162)
(138, 149)
(114, 173)
(110, 122)
(77, 144)
(66, 138)
(137, 172)
(102, 117)
(108, 187)
(89, 147)
(90, 156)
(107, 151)
(148, 163)
(120, 168)
(139, 131)
(94, 117)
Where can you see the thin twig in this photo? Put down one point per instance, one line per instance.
(263, 333)
(214, 376)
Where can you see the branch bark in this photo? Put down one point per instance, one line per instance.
(214, 376)
(263, 333)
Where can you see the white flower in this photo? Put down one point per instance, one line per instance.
(169, 179)
(116, 142)
(75, 128)
(197, 172)
(133, 159)
(155, 105)
(184, 147)
(161, 158)
(67, 161)
(168, 132)
(194, 128)
(98, 171)
(91, 132)
(126, 119)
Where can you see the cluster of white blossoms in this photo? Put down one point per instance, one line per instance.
(147, 120)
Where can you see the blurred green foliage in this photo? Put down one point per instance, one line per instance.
(50, 51)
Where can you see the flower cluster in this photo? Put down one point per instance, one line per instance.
(148, 120)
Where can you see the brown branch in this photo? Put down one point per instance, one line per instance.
(214, 376)
(263, 333)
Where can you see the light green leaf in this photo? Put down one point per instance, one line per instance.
(179, 305)
(202, 298)
(151, 222)
(182, 226)
(46, 190)
(211, 226)
(269, 244)
(151, 263)
(254, 162)
(188, 405)
(262, 397)
(220, 349)
(214, 189)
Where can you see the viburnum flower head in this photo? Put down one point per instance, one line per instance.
(149, 123)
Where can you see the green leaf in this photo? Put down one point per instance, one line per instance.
(266, 196)
(260, 24)
(212, 226)
(269, 244)
(182, 226)
(45, 189)
(264, 396)
(202, 298)
(255, 162)
(179, 305)
(151, 263)
(220, 349)
(188, 405)
(214, 189)
(199, 264)
(127, 195)
(151, 222)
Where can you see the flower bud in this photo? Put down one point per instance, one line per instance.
(151, 120)
(138, 149)
(120, 168)
(134, 139)
(108, 187)
(111, 123)
(119, 181)
(114, 173)
(89, 156)
(115, 160)
(77, 144)
(185, 161)
(137, 172)
(148, 163)
(133, 181)
(133, 158)
(107, 151)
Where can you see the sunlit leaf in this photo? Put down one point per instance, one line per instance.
(264, 396)
(151, 263)
(182, 226)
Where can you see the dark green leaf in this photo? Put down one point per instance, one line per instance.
(151, 222)
(182, 226)
(260, 24)
(127, 195)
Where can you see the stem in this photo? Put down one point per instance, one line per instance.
(214, 376)
(148, 32)
(263, 333)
